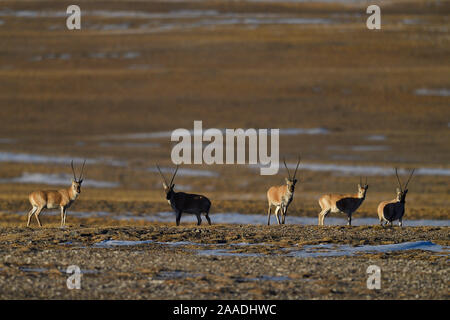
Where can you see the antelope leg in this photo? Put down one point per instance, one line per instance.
(178, 217)
(276, 214)
(65, 215)
(30, 214)
(37, 216)
(322, 216)
(62, 217)
(208, 219)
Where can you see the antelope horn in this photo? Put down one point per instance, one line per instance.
(295, 172)
(73, 171)
(174, 174)
(398, 179)
(289, 174)
(410, 176)
(82, 169)
(366, 180)
(162, 176)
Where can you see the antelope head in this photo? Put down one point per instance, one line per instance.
(362, 189)
(291, 181)
(402, 191)
(76, 183)
(168, 187)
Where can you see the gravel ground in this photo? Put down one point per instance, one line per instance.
(170, 265)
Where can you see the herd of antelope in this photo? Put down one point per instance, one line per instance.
(278, 196)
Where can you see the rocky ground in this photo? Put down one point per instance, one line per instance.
(218, 262)
(353, 98)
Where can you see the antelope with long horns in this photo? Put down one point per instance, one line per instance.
(281, 196)
(344, 203)
(185, 202)
(389, 211)
(52, 199)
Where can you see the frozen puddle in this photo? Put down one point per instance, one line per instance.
(300, 131)
(119, 243)
(168, 134)
(186, 172)
(259, 219)
(308, 251)
(7, 140)
(240, 218)
(433, 92)
(176, 18)
(365, 170)
(358, 148)
(129, 145)
(35, 158)
(56, 179)
(370, 148)
(115, 55)
(331, 250)
(227, 253)
(264, 278)
(376, 137)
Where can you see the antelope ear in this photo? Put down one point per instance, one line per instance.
(81, 181)
(398, 190)
(406, 191)
(164, 185)
(359, 186)
(286, 179)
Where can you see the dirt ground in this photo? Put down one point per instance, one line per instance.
(176, 265)
(381, 97)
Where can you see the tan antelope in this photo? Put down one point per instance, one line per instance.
(52, 199)
(344, 203)
(389, 211)
(281, 196)
(185, 202)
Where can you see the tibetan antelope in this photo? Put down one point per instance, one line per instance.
(389, 211)
(52, 199)
(185, 202)
(345, 203)
(281, 196)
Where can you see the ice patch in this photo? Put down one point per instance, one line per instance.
(366, 170)
(35, 158)
(57, 179)
(168, 134)
(376, 137)
(433, 92)
(186, 172)
(130, 145)
(370, 148)
(259, 219)
(119, 243)
(331, 250)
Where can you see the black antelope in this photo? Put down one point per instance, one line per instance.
(52, 199)
(185, 202)
(344, 203)
(281, 196)
(389, 211)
